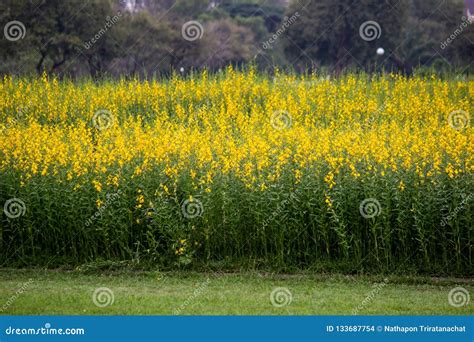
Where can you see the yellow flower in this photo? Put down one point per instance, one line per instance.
(165, 189)
(401, 186)
(97, 185)
(329, 179)
(328, 201)
(140, 200)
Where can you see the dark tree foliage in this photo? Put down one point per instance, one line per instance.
(411, 34)
(143, 37)
(328, 32)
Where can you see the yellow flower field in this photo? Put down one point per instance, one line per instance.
(350, 173)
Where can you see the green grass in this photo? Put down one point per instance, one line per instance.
(137, 293)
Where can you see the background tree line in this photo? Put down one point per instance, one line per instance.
(144, 37)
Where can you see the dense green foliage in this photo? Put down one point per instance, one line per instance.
(146, 39)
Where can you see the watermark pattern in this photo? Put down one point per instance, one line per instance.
(287, 22)
(110, 21)
(192, 208)
(370, 207)
(370, 30)
(14, 30)
(110, 199)
(103, 119)
(14, 208)
(281, 119)
(465, 22)
(196, 293)
(469, 16)
(192, 30)
(14, 120)
(102, 297)
(12, 123)
(280, 208)
(46, 330)
(37, 2)
(370, 297)
(280, 297)
(159, 276)
(15, 296)
(459, 119)
(373, 117)
(460, 207)
(458, 297)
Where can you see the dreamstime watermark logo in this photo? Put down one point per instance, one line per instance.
(103, 119)
(14, 120)
(192, 30)
(459, 119)
(197, 292)
(469, 16)
(286, 24)
(192, 208)
(46, 330)
(460, 207)
(110, 199)
(14, 297)
(281, 297)
(14, 208)
(281, 206)
(159, 276)
(458, 297)
(10, 124)
(370, 30)
(373, 117)
(102, 297)
(466, 21)
(281, 119)
(37, 2)
(370, 297)
(370, 207)
(110, 21)
(14, 30)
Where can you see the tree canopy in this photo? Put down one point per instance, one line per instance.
(145, 37)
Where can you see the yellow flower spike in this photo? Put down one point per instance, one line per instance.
(401, 186)
(328, 201)
(97, 185)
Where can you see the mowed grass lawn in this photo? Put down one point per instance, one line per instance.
(50, 292)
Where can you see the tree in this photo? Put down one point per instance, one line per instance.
(344, 33)
(225, 42)
(56, 31)
(145, 45)
(429, 25)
